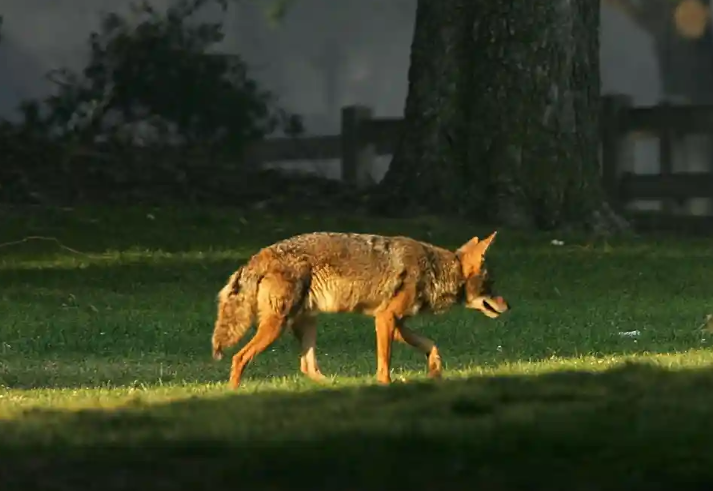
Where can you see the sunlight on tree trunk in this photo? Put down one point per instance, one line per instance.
(501, 118)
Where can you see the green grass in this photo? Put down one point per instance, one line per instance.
(106, 378)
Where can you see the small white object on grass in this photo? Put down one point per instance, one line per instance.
(630, 334)
(556, 242)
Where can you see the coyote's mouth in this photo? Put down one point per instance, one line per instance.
(491, 307)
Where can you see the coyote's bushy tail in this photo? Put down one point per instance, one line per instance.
(237, 306)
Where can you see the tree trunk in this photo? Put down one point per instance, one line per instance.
(501, 118)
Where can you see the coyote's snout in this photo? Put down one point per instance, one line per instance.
(285, 286)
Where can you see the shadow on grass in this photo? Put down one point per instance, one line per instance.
(94, 230)
(632, 427)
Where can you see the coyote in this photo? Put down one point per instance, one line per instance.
(285, 286)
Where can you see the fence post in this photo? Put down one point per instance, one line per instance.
(357, 153)
(666, 137)
(612, 123)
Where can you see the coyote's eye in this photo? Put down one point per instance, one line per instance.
(477, 286)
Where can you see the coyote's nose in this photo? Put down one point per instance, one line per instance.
(505, 306)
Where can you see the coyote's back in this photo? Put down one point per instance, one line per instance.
(288, 283)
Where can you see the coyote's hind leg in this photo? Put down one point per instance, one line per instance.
(278, 298)
(268, 330)
(305, 330)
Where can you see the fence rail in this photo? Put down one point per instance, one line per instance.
(362, 138)
(286, 149)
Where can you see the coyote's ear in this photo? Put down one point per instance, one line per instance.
(471, 254)
(485, 243)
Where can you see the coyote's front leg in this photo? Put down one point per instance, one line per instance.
(424, 345)
(385, 328)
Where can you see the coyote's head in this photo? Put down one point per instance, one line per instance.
(478, 288)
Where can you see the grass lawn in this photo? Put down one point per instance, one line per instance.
(106, 378)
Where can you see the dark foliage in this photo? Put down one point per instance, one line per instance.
(157, 114)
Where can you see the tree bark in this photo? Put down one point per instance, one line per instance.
(501, 117)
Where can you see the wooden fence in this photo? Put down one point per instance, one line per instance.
(620, 124)
(364, 137)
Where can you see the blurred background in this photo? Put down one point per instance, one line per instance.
(323, 55)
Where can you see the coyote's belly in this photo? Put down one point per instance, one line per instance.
(335, 294)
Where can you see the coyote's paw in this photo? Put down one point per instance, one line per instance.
(435, 367)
